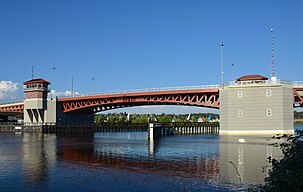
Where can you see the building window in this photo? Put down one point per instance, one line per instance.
(268, 92)
(268, 112)
(240, 94)
(240, 113)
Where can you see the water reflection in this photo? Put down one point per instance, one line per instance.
(212, 159)
(133, 152)
(249, 158)
(39, 156)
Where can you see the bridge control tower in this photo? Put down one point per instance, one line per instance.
(38, 108)
(254, 105)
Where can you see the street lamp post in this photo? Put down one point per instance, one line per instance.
(93, 79)
(222, 68)
(51, 78)
(233, 71)
(72, 86)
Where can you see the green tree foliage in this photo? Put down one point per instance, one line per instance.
(164, 118)
(298, 115)
(118, 118)
(287, 174)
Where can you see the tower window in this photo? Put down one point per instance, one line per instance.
(268, 92)
(268, 112)
(240, 113)
(240, 94)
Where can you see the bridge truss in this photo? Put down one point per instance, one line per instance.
(199, 97)
(92, 104)
(14, 108)
(298, 97)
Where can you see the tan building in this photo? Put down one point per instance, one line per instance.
(254, 105)
(38, 109)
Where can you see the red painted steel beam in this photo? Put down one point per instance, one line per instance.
(198, 97)
(298, 97)
(17, 108)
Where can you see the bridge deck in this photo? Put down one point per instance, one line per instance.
(195, 97)
(203, 96)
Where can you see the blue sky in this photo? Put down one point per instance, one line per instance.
(134, 44)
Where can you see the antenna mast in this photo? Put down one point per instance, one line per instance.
(33, 68)
(272, 67)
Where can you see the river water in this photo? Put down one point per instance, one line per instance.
(128, 161)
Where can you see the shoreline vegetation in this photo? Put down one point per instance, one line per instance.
(298, 121)
(285, 174)
(117, 118)
(298, 117)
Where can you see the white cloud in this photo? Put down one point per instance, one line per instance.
(8, 90)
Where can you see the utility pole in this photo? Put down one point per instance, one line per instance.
(93, 79)
(51, 73)
(222, 68)
(51, 78)
(72, 86)
(233, 71)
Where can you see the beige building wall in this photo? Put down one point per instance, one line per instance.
(51, 111)
(39, 111)
(256, 109)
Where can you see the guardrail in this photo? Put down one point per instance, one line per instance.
(147, 90)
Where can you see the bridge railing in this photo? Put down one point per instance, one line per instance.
(260, 82)
(11, 103)
(298, 83)
(148, 90)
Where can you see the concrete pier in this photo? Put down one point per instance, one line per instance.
(154, 130)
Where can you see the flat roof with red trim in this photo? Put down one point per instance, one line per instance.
(33, 81)
(251, 78)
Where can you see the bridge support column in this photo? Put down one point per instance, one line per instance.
(256, 108)
(154, 131)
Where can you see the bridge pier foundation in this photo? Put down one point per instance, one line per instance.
(154, 131)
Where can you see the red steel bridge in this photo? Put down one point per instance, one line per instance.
(201, 96)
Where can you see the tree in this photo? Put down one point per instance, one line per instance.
(287, 174)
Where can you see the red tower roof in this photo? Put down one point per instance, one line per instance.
(33, 81)
(251, 78)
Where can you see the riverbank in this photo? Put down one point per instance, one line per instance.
(298, 122)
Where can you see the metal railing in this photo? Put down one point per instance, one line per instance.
(11, 103)
(260, 82)
(36, 89)
(298, 83)
(148, 90)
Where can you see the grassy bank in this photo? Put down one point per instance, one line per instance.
(299, 121)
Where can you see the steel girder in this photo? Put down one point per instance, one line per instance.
(203, 98)
(12, 108)
(298, 97)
